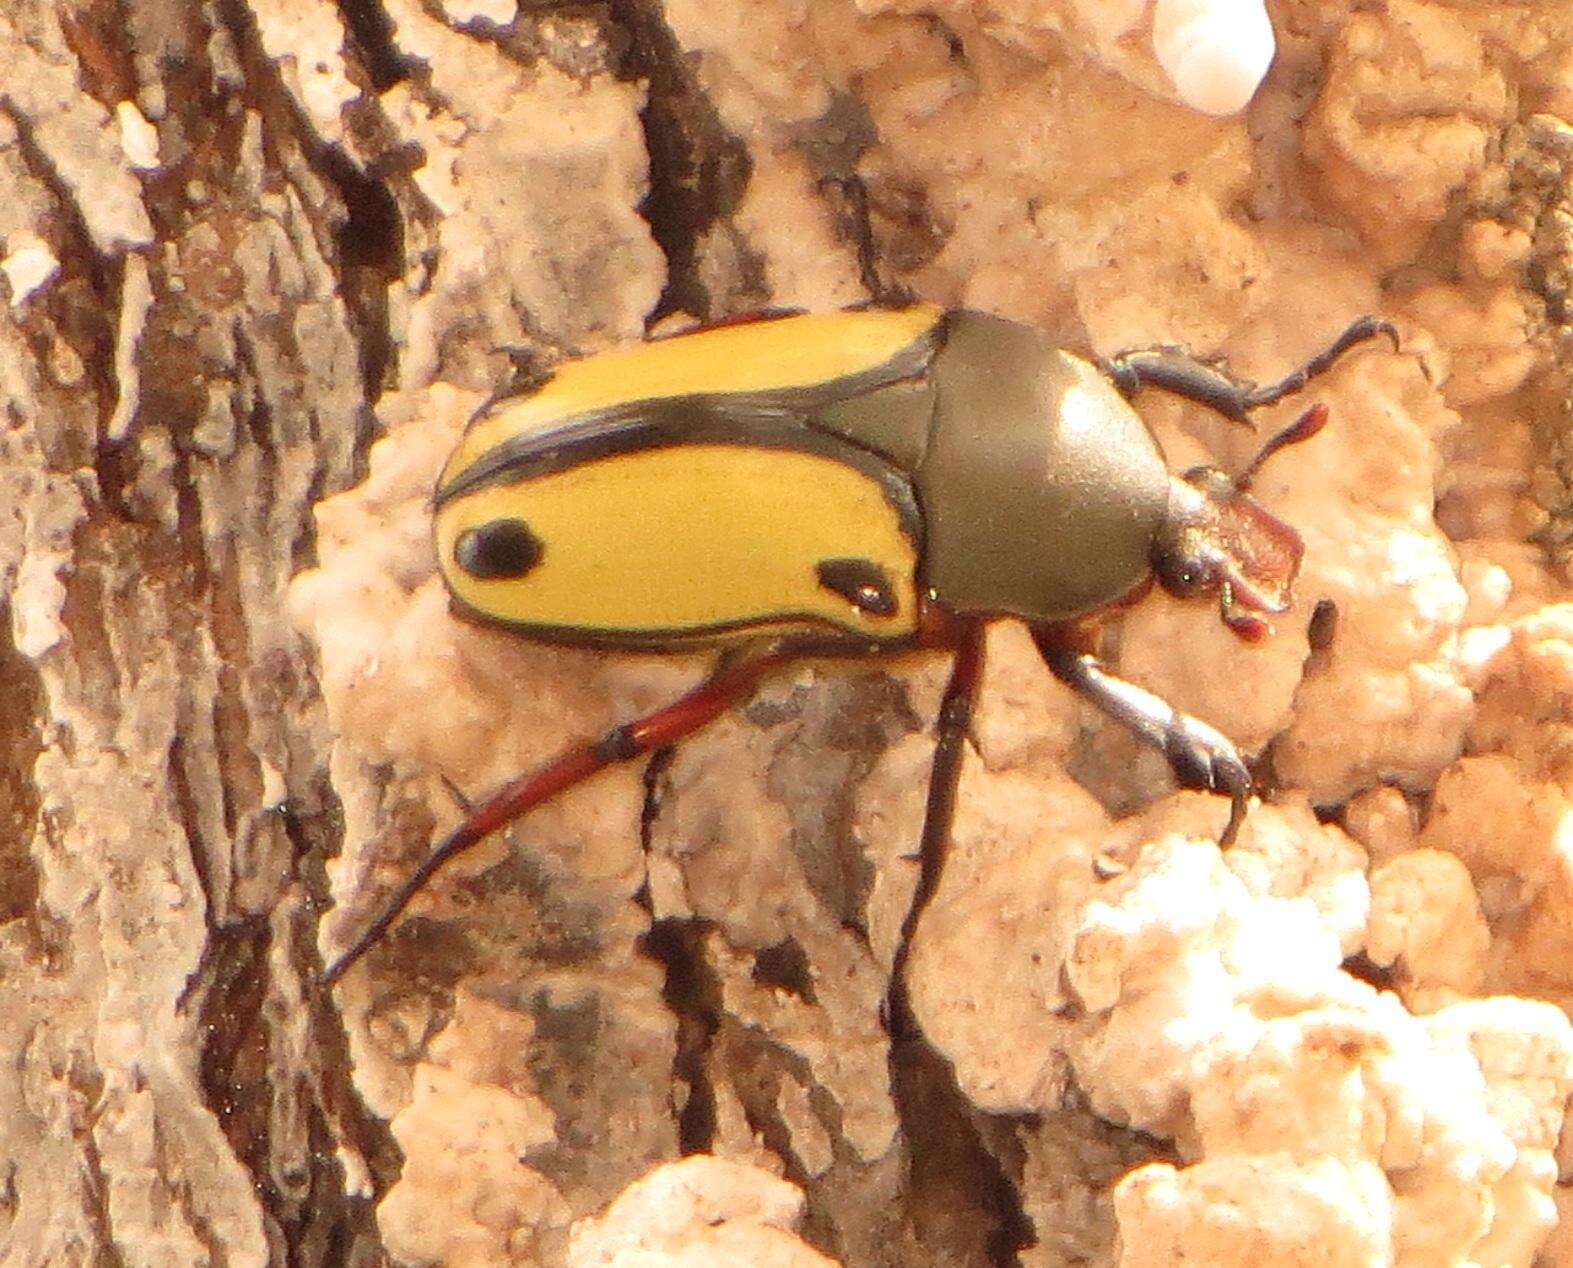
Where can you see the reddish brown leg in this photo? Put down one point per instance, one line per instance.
(955, 718)
(733, 681)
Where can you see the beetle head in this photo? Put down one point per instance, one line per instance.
(1216, 537)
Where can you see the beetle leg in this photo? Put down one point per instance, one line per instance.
(733, 680)
(1357, 332)
(955, 719)
(1199, 756)
(1176, 370)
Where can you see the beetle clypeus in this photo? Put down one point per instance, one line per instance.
(851, 484)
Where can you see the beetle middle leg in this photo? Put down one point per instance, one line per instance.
(733, 681)
(955, 719)
(1178, 371)
(1199, 756)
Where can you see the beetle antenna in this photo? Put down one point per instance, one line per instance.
(1303, 428)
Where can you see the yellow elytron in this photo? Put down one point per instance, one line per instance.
(681, 491)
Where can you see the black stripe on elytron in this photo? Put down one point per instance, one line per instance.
(909, 362)
(809, 634)
(684, 421)
(528, 381)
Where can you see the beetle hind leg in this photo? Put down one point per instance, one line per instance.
(733, 681)
(1199, 756)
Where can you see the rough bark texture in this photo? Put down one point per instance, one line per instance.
(239, 240)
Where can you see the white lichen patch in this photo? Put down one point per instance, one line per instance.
(37, 597)
(138, 137)
(28, 264)
(306, 43)
(471, 1120)
(1308, 1107)
(694, 1213)
(495, 12)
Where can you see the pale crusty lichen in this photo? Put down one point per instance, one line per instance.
(471, 1119)
(1223, 1020)
(694, 1213)
(515, 153)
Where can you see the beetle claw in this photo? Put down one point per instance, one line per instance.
(1231, 829)
(1204, 759)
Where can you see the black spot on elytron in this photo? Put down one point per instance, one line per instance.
(861, 582)
(498, 550)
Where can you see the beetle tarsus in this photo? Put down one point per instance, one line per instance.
(1357, 332)
(1176, 370)
(1199, 756)
(460, 797)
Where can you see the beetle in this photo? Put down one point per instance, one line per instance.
(854, 484)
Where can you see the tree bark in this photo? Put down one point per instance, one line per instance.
(243, 239)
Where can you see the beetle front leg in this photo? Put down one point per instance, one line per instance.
(1199, 756)
(1176, 370)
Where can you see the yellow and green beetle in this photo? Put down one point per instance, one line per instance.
(849, 484)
